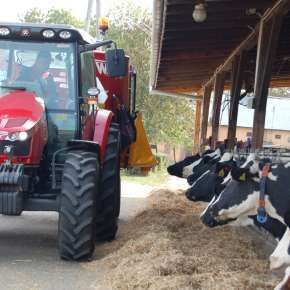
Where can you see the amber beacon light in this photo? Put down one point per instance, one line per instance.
(103, 24)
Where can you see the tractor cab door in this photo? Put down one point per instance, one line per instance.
(62, 111)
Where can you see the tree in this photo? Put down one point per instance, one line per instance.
(56, 16)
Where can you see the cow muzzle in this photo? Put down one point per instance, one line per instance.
(208, 219)
(190, 196)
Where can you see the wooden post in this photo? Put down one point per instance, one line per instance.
(238, 67)
(205, 111)
(267, 44)
(218, 95)
(196, 145)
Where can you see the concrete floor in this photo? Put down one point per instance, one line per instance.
(28, 249)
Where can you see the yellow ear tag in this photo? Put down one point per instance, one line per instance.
(243, 177)
(222, 173)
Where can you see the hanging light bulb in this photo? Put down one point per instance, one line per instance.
(199, 13)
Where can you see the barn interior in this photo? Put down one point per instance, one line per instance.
(201, 48)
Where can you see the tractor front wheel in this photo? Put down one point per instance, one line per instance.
(77, 214)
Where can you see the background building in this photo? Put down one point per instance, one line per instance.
(277, 126)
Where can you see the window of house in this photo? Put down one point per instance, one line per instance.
(249, 134)
(277, 136)
(288, 139)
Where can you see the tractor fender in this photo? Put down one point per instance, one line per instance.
(90, 146)
(101, 131)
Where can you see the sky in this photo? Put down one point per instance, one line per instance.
(14, 9)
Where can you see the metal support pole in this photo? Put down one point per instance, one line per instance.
(98, 15)
(88, 17)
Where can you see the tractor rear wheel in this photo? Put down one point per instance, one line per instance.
(109, 202)
(77, 214)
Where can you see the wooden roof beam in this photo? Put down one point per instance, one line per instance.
(251, 40)
(218, 95)
(205, 111)
(267, 45)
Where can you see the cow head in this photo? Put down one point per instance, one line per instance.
(177, 168)
(239, 198)
(196, 169)
(204, 188)
(210, 182)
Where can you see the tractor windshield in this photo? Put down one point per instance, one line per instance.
(48, 70)
(44, 68)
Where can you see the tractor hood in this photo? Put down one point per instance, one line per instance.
(19, 111)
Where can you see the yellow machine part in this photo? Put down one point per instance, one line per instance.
(140, 154)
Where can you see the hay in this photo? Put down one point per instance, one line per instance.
(167, 247)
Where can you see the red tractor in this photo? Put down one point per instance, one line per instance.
(59, 151)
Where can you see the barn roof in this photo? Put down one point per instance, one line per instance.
(186, 54)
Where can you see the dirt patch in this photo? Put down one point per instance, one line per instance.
(167, 247)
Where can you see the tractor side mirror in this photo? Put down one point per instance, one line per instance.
(116, 63)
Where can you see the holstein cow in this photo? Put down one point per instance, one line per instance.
(205, 164)
(177, 168)
(184, 168)
(211, 184)
(199, 167)
(242, 197)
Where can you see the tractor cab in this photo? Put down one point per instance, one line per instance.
(55, 66)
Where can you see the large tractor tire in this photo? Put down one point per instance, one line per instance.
(109, 203)
(77, 214)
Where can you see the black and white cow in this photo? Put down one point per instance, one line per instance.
(241, 198)
(211, 184)
(177, 168)
(185, 168)
(205, 163)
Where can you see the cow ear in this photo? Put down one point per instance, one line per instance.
(239, 174)
(222, 169)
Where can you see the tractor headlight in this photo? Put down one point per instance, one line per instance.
(23, 136)
(17, 136)
(48, 33)
(65, 34)
(4, 31)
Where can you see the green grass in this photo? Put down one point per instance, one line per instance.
(153, 178)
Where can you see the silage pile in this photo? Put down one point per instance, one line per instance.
(167, 247)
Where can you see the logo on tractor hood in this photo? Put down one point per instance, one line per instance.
(101, 67)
